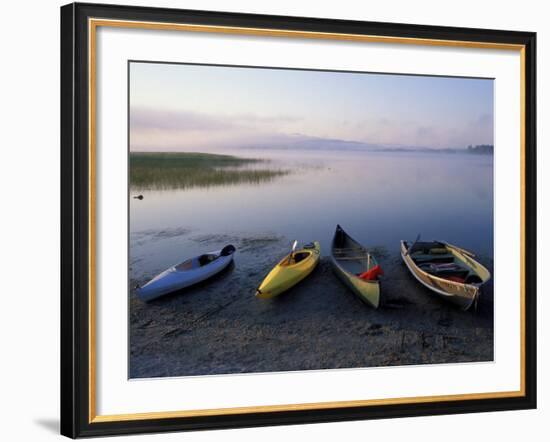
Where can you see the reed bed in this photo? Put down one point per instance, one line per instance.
(183, 170)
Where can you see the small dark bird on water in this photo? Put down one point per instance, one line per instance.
(139, 197)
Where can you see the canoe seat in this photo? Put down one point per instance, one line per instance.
(348, 249)
(439, 251)
(421, 258)
(346, 257)
(425, 247)
(444, 269)
(449, 273)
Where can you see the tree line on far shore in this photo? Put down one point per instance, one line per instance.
(485, 149)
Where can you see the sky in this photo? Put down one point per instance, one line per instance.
(179, 107)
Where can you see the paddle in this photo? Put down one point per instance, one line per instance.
(294, 244)
(412, 245)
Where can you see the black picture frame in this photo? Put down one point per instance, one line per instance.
(75, 218)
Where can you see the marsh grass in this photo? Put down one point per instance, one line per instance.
(183, 170)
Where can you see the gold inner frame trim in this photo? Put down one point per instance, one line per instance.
(300, 407)
(92, 28)
(298, 34)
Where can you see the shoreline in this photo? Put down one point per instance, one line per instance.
(219, 327)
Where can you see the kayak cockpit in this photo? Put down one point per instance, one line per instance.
(295, 258)
(195, 263)
(299, 256)
(204, 260)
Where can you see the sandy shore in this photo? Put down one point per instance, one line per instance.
(220, 327)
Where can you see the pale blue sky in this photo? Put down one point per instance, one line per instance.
(183, 107)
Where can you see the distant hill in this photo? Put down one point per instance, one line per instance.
(304, 142)
(483, 149)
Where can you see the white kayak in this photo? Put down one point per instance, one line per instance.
(187, 273)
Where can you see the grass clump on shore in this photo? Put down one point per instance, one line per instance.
(183, 170)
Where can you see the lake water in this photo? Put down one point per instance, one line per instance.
(378, 197)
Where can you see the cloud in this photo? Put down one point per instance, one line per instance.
(168, 130)
(149, 119)
(275, 119)
(152, 129)
(143, 118)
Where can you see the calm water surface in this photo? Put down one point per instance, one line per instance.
(379, 198)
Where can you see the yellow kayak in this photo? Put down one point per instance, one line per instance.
(290, 271)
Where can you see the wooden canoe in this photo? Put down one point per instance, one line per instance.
(350, 259)
(447, 270)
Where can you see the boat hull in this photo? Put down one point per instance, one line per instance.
(461, 294)
(367, 291)
(172, 280)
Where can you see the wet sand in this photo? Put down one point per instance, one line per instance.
(220, 327)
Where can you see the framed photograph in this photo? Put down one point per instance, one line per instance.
(274, 220)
